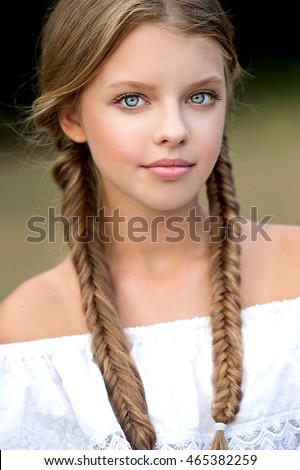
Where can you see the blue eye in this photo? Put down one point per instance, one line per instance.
(199, 98)
(205, 97)
(131, 101)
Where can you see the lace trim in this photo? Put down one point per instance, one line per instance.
(190, 443)
(281, 433)
(116, 441)
(285, 437)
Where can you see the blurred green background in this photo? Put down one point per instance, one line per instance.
(264, 134)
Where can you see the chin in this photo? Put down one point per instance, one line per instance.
(174, 205)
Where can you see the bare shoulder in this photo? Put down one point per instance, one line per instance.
(44, 306)
(271, 262)
(284, 243)
(286, 233)
(287, 249)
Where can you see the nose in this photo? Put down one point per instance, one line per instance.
(171, 128)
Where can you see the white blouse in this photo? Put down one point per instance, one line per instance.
(53, 396)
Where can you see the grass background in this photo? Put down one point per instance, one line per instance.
(264, 138)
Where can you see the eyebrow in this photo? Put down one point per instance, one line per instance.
(193, 86)
(131, 84)
(214, 79)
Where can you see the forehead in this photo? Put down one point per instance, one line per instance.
(149, 52)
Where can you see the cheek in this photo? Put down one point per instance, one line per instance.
(216, 139)
(116, 139)
(208, 136)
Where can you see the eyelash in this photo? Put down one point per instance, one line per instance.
(212, 93)
(126, 95)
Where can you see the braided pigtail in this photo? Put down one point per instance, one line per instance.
(73, 52)
(226, 323)
(76, 175)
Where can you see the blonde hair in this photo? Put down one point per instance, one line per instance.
(78, 37)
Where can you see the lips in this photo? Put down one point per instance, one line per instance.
(169, 168)
(168, 162)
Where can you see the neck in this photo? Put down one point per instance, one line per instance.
(154, 239)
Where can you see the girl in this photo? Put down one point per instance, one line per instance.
(169, 325)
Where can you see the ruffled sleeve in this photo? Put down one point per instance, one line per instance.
(53, 396)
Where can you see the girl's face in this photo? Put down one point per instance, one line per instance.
(153, 119)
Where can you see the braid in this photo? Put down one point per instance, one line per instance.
(225, 279)
(74, 173)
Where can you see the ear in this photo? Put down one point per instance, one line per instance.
(71, 126)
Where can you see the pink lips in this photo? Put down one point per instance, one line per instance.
(169, 168)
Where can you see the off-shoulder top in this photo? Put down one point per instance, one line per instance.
(52, 394)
